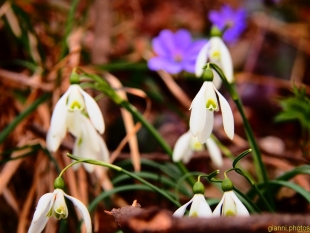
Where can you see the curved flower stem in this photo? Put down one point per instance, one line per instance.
(104, 87)
(117, 168)
(259, 165)
(70, 165)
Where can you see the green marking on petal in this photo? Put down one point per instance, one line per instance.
(211, 105)
(80, 141)
(75, 105)
(60, 212)
(49, 213)
(194, 214)
(216, 55)
(230, 213)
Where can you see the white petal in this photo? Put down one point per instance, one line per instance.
(37, 227)
(181, 147)
(44, 202)
(241, 209)
(83, 210)
(226, 61)
(104, 153)
(200, 207)
(228, 118)
(198, 112)
(214, 152)
(187, 155)
(74, 123)
(217, 81)
(89, 144)
(60, 206)
(83, 150)
(39, 218)
(229, 207)
(58, 128)
(53, 140)
(180, 212)
(218, 209)
(90, 135)
(207, 129)
(94, 112)
(201, 60)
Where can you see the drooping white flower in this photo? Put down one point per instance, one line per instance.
(67, 113)
(202, 112)
(187, 144)
(230, 205)
(53, 204)
(215, 51)
(199, 207)
(89, 144)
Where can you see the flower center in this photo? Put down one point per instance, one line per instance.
(178, 57)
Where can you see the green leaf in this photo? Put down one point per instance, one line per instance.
(304, 169)
(108, 193)
(293, 186)
(147, 175)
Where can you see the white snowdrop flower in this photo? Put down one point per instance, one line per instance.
(67, 113)
(202, 112)
(215, 51)
(199, 207)
(230, 205)
(53, 204)
(187, 144)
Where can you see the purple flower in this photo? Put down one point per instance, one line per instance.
(175, 51)
(235, 19)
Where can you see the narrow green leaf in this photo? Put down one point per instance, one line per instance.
(304, 169)
(293, 186)
(108, 193)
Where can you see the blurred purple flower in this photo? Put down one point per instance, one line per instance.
(236, 19)
(175, 51)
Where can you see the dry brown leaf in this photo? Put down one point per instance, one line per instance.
(129, 123)
(10, 168)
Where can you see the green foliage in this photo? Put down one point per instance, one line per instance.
(295, 108)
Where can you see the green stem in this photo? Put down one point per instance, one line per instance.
(114, 167)
(253, 184)
(259, 165)
(103, 86)
(71, 164)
